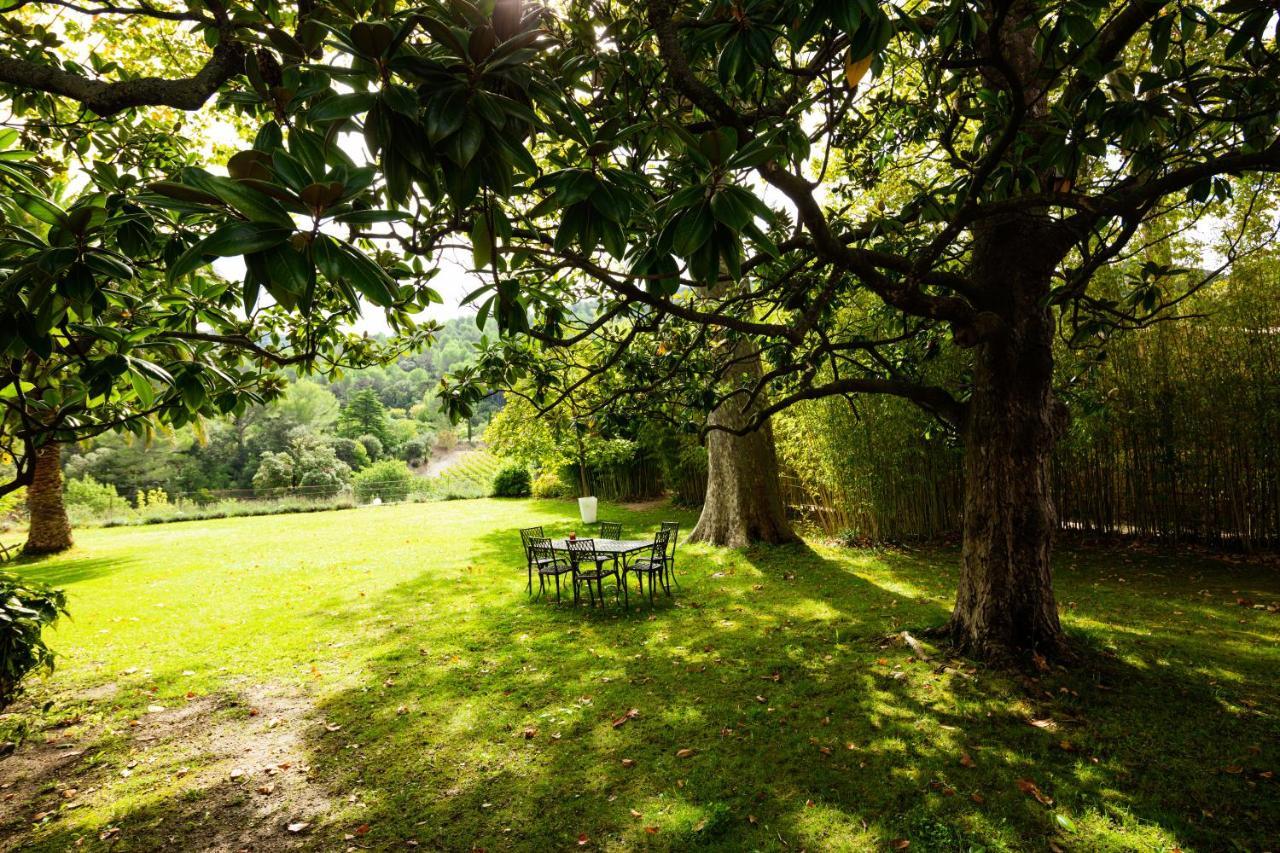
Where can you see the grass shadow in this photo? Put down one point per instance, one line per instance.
(769, 714)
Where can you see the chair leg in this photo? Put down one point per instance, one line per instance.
(673, 570)
(529, 566)
(557, 590)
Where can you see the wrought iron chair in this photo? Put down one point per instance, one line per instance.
(672, 527)
(653, 565)
(590, 567)
(549, 564)
(527, 535)
(610, 530)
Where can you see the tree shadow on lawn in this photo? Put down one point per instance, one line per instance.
(509, 728)
(59, 570)
(486, 720)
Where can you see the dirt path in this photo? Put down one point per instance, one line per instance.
(439, 464)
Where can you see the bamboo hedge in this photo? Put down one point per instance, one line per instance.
(1175, 436)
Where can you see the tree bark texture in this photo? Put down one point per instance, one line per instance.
(1005, 606)
(744, 498)
(50, 529)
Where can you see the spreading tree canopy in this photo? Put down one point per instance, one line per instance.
(761, 201)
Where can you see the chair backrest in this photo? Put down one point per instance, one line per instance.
(540, 548)
(610, 530)
(673, 528)
(660, 541)
(582, 550)
(527, 535)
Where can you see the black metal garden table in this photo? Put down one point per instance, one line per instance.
(615, 550)
(619, 548)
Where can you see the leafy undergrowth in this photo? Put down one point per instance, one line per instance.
(378, 679)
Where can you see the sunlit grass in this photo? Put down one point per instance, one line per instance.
(433, 702)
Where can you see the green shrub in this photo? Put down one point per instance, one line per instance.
(94, 497)
(274, 474)
(549, 485)
(319, 472)
(351, 452)
(372, 446)
(446, 439)
(390, 480)
(511, 482)
(413, 451)
(25, 610)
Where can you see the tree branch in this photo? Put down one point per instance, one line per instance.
(107, 99)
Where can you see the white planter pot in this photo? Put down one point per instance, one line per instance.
(587, 508)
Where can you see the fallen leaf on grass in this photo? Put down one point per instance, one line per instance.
(685, 753)
(628, 762)
(977, 798)
(298, 826)
(1026, 786)
(266, 789)
(636, 814)
(966, 760)
(899, 844)
(651, 829)
(362, 829)
(530, 733)
(583, 840)
(630, 715)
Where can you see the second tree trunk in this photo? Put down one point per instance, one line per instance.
(744, 498)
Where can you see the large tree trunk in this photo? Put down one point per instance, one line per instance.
(744, 499)
(50, 530)
(1005, 607)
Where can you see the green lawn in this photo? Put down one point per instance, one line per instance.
(380, 676)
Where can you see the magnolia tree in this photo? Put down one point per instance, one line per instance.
(773, 202)
(761, 201)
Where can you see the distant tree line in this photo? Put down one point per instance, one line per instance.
(312, 438)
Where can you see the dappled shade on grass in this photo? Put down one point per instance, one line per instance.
(434, 702)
